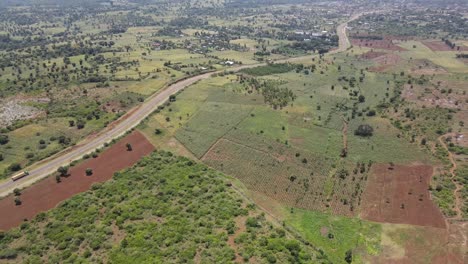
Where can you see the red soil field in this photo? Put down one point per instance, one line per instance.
(400, 196)
(47, 193)
(441, 46)
(386, 43)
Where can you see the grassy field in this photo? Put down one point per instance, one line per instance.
(445, 59)
(39, 140)
(336, 235)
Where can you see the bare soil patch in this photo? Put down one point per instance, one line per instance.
(410, 245)
(387, 44)
(47, 193)
(12, 110)
(426, 67)
(431, 97)
(399, 194)
(385, 62)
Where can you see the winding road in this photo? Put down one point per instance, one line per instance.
(50, 165)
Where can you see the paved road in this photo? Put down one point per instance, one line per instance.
(46, 167)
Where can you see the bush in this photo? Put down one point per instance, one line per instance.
(251, 222)
(362, 98)
(80, 124)
(364, 131)
(14, 167)
(4, 139)
(63, 170)
(8, 254)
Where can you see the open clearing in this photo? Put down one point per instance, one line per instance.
(47, 193)
(385, 44)
(399, 194)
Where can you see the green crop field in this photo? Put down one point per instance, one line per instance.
(209, 124)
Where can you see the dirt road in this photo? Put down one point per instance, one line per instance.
(46, 167)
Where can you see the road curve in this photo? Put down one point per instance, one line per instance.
(50, 165)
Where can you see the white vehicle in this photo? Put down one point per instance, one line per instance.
(20, 175)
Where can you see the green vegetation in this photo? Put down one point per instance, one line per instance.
(210, 124)
(165, 209)
(337, 235)
(462, 178)
(303, 133)
(270, 69)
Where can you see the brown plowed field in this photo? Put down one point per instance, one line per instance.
(400, 195)
(386, 44)
(47, 193)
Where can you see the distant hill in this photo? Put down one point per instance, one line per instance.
(5, 3)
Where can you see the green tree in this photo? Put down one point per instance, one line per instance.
(349, 256)
(364, 131)
(362, 98)
(4, 139)
(89, 172)
(63, 170)
(14, 167)
(80, 123)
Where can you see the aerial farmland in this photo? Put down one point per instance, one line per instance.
(233, 131)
